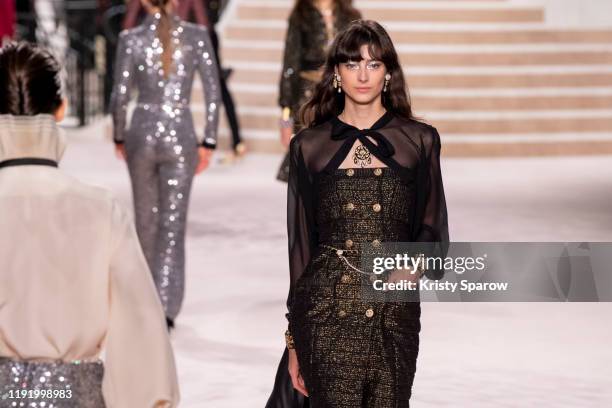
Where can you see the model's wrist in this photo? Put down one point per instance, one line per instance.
(289, 340)
(209, 143)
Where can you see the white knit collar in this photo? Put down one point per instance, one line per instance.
(31, 136)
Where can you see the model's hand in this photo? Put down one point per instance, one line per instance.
(409, 275)
(205, 156)
(294, 372)
(120, 151)
(286, 133)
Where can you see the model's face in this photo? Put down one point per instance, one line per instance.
(362, 81)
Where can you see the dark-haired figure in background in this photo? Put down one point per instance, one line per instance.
(74, 280)
(160, 58)
(363, 172)
(313, 25)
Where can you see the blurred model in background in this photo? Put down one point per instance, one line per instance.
(159, 59)
(74, 280)
(312, 27)
(214, 9)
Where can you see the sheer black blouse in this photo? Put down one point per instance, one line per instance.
(406, 146)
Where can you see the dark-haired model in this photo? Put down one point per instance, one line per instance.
(363, 172)
(74, 284)
(160, 58)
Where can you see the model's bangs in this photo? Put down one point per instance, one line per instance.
(349, 48)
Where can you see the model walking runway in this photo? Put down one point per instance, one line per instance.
(159, 59)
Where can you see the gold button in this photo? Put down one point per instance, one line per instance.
(369, 313)
(376, 243)
(345, 279)
(348, 243)
(350, 172)
(341, 313)
(376, 207)
(377, 172)
(350, 207)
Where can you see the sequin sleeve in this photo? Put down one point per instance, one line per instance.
(434, 222)
(300, 226)
(139, 364)
(209, 74)
(289, 80)
(122, 87)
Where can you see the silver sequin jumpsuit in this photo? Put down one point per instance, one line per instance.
(160, 142)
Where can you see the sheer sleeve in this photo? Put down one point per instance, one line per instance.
(209, 74)
(300, 229)
(122, 87)
(434, 223)
(289, 80)
(137, 344)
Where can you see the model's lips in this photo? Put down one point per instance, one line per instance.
(363, 88)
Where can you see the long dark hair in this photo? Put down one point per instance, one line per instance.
(344, 8)
(163, 33)
(30, 82)
(326, 102)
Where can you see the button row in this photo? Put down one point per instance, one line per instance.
(351, 172)
(349, 243)
(350, 207)
(369, 313)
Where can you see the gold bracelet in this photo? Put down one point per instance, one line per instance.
(289, 340)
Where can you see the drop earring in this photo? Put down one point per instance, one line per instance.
(387, 79)
(337, 83)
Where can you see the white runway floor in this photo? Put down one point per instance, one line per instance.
(229, 337)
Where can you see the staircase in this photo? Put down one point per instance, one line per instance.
(489, 74)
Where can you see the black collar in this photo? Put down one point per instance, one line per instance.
(28, 161)
(344, 131)
(339, 127)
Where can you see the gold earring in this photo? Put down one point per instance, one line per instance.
(387, 78)
(338, 83)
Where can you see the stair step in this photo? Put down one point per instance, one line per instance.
(483, 14)
(238, 31)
